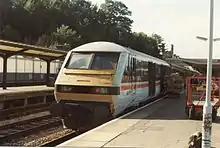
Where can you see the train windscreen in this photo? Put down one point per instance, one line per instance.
(95, 60)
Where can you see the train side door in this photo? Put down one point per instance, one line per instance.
(133, 74)
(152, 77)
(162, 74)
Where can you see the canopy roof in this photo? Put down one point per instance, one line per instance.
(9, 48)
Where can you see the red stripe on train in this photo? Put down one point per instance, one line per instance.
(129, 86)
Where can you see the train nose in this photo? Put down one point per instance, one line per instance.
(73, 115)
(64, 109)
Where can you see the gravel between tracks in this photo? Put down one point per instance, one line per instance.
(39, 138)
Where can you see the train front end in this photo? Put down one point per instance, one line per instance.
(84, 88)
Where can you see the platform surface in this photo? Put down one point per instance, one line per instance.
(163, 125)
(25, 89)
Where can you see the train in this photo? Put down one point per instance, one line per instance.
(101, 80)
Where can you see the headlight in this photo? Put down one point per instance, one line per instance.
(87, 89)
(66, 88)
(101, 90)
(63, 88)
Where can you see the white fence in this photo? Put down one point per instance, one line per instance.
(19, 64)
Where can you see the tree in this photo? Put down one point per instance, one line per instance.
(158, 38)
(11, 34)
(65, 35)
(160, 42)
(74, 22)
(5, 8)
(117, 19)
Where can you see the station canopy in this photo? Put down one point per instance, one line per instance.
(200, 62)
(8, 48)
(180, 65)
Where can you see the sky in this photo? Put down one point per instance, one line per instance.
(178, 22)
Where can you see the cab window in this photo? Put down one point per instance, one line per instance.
(95, 60)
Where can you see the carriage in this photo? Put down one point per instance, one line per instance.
(175, 85)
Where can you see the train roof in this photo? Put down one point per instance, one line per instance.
(150, 58)
(102, 46)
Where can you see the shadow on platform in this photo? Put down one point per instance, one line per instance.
(173, 109)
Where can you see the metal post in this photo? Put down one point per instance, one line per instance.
(207, 108)
(40, 66)
(16, 68)
(33, 76)
(48, 73)
(4, 77)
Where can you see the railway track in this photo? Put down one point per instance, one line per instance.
(73, 134)
(57, 141)
(11, 113)
(68, 135)
(24, 128)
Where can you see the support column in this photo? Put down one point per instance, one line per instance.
(33, 75)
(48, 73)
(4, 76)
(16, 68)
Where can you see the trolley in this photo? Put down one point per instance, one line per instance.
(196, 95)
(175, 85)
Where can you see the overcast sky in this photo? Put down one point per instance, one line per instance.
(178, 22)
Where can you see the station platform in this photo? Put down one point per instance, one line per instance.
(25, 89)
(161, 125)
(14, 92)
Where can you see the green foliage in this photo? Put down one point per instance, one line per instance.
(11, 33)
(63, 34)
(72, 22)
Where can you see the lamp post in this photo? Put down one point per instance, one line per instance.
(205, 39)
(207, 108)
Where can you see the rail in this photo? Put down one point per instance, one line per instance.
(24, 128)
(73, 134)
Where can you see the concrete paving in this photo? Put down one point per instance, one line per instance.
(163, 125)
(165, 128)
(25, 89)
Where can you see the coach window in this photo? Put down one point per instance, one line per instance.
(145, 71)
(126, 75)
(133, 69)
(157, 67)
(139, 71)
(125, 78)
(131, 64)
(167, 71)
